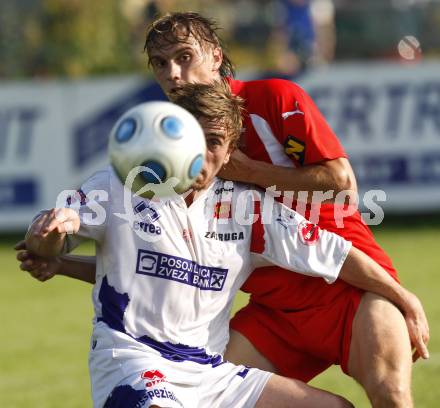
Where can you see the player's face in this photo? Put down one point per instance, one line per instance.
(189, 62)
(218, 150)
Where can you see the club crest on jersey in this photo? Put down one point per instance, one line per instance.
(153, 377)
(223, 210)
(295, 148)
(146, 212)
(308, 232)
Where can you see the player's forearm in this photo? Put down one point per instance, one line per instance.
(361, 271)
(316, 177)
(78, 267)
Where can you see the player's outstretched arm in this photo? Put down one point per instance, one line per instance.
(78, 267)
(47, 234)
(363, 272)
(307, 249)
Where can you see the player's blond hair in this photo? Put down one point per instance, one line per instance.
(214, 102)
(174, 28)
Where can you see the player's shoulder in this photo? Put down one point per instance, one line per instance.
(103, 174)
(100, 179)
(274, 87)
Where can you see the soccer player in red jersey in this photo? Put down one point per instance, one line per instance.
(294, 325)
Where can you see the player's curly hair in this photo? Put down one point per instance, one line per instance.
(173, 28)
(214, 102)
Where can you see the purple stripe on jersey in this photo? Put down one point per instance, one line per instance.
(125, 396)
(113, 306)
(113, 309)
(243, 373)
(182, 352)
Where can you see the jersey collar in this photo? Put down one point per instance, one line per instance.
(236, 86)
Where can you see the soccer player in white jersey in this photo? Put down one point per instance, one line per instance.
(162, 306)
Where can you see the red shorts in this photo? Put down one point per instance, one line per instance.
(299, 323)
(301, 343)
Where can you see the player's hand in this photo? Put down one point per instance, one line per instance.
(38, 267)
(47, 233)
(418, 327)
(238, 168)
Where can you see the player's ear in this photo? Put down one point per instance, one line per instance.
(227, 157)
(217, 55)
(231, 148)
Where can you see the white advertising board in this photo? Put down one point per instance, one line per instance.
(54, 134)
(387, 116)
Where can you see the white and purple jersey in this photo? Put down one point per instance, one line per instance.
(167, 274)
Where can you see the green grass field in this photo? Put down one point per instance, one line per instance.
(45, 328)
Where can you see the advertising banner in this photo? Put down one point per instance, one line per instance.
(53, 134)
(387, 116)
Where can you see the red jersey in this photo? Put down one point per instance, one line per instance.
(283, 126)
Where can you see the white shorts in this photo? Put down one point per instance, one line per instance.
(128, 374)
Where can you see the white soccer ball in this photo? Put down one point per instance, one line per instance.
(156, 144)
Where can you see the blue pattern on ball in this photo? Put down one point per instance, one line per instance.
(172, 127)
(196, 166)
(126, 130)
(157, 173)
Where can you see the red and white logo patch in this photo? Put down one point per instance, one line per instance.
(222, 210)
(308, 232)
(153, 377)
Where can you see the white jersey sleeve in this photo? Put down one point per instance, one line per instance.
(91, 203)
(286, 239)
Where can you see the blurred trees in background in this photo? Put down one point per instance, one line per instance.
(66, 38)
(74, 38)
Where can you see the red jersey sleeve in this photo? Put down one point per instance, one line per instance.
(299, 125)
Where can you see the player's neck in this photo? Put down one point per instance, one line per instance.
(192, 196)
(189, 199)
(195, 193)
